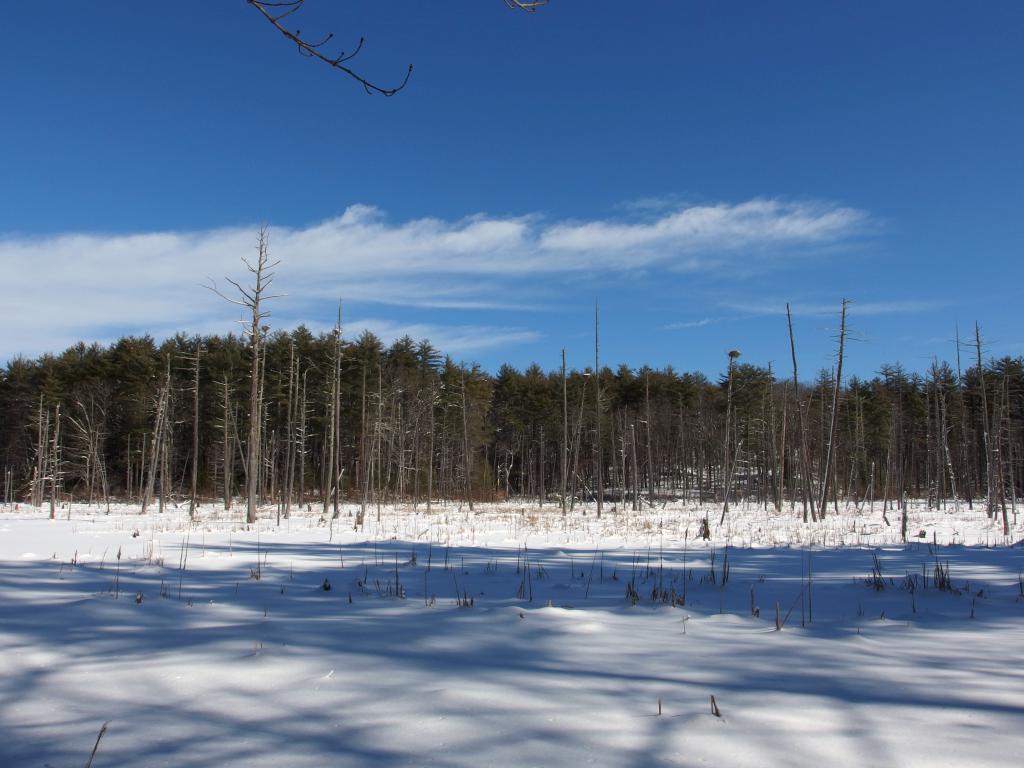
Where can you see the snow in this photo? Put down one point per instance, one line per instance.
(217, 667)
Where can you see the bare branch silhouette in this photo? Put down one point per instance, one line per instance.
(276, 12)
(526, 6)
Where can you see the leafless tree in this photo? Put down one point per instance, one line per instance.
(597, 415)
(832, 432)
(251, 298)
(726, 466)
(160, 425)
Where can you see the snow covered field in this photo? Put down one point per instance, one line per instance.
(510, 636)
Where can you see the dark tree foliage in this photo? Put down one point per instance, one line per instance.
(411, 418)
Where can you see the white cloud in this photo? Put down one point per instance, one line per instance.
(448, 339)
(709, 227)
(79, 286)
(690, 324)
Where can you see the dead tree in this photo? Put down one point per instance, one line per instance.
(55, 463)
(650, 427)
(89, 431)
(986, 435)
(193, 503)
(943, 427)
(42, 450)
(334, 436)
(805, 473)
(726, 466)
(833, 428)
(251, 298)
(289, 458)
(968, 467)
(597, 418)
(160, 420)
(301, 447)
(465, 443)
(228, 457)
(565, 432)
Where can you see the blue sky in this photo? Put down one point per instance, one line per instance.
(692, 166)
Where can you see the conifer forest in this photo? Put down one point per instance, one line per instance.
(358, 421)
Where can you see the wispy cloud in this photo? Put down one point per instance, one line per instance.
(707, 227)
(62, 288)
(691, 324)
(453, 339)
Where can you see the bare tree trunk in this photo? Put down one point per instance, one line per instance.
(336, 408)
(252, 298)
(42, 451)
(944, 434)
(229, 450)
(165, 443)
(565, 432)
(289, 451)
(465, 443)
(332, 421)
(964, 443)
(636, 468)
(833, 428)
(986, 436)
(726, 467)
(55, 462)
(156, 445)
(430, 458)
(303, 414)
(598, 459)
(363, 458)
(805, 472)
(195, 435)
(781, 459)
(540, 470)
(650, 427)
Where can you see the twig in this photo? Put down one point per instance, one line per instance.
(96, 746)
(312, 49)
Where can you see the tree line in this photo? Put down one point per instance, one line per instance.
(327, 420)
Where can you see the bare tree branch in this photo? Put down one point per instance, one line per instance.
(312, 49)
(526, 6)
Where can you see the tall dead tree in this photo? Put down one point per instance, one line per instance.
(55, 464)
(943, 427)
(160, 420)
(251, 298)
(467, 451)
(228, 456)
(289, 458)
(648, 431)
(42, 451)
(726, 465)
(990, 504)
(804, 461)
(597, 416)
(565, 432)
(834, 426)
(193, 502)
(301, 446)
(334, 473)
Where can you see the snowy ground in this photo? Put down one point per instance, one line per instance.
(213, 644)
